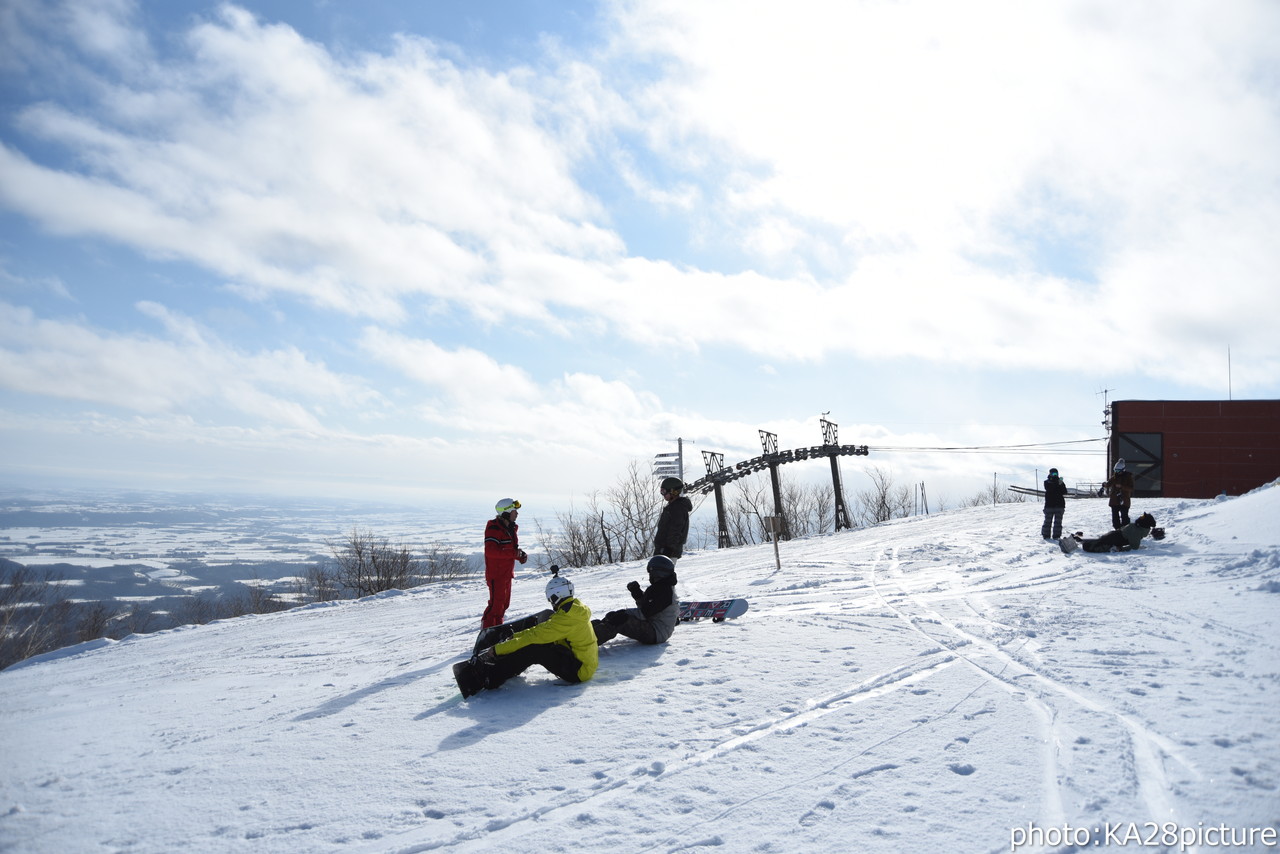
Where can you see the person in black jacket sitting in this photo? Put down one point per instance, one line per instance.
(657, 609)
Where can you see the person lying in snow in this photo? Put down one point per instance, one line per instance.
(1128, 537)
(657, 609)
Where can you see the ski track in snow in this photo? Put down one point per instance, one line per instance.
(1151, 780)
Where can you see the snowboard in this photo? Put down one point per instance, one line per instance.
(718, 611)
(489, 635)
(1068, 543)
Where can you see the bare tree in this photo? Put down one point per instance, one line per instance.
(138, 620)
(584, 538)
(34, 612)
(745, 510)
(261, 600)
(443, 563)
(195, 610)
(320, 584)
(369, 564)
(809, 508)
(620, 530)
(635, 503)
(93, 620)
(823, 506)
(883, 500)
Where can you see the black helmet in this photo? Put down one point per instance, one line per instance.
(661, 567)
(672, 484)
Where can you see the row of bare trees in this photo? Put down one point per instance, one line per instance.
(615, 525)
(618, 523)
(366, 563)
(37, 615)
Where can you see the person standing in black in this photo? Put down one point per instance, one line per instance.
(1120, 487)
(1055, 504)
(673, 522)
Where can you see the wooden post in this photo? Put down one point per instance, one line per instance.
(773, 524)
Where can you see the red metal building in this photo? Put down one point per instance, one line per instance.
(1197, 448)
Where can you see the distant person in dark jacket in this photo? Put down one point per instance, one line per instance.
(657, 609)
(1127, 538)
(1055, 504)
(673, 522)
(1120, 489)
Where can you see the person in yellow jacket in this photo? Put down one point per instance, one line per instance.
(564, 644)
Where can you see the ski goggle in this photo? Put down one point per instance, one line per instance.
(507, 504)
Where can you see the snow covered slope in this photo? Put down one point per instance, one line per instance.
(942, 683)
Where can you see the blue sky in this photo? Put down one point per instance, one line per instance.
(405, 250)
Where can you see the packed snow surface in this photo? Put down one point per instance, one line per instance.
(942, 683)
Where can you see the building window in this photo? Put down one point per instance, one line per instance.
(1143, 455)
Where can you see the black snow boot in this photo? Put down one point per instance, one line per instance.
(604, 631)
(470, 680)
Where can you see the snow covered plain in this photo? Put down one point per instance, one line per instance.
(942, 683)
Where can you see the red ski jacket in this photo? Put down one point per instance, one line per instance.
(501, 549)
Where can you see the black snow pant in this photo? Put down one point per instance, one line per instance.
(624, 623)
(1052, 515)
(1105, 542)
(1120, 514)
(556, 657)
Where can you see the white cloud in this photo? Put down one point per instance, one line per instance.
(932, 153)
(187, 370)
(462, 374)
(922, 131)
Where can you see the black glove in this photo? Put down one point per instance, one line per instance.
(634, 587)
(504, 633)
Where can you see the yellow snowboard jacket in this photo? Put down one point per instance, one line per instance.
(568, 625)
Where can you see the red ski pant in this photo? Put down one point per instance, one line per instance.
(499, 601)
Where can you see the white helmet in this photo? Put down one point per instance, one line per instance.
(558, 590)
(506, 505)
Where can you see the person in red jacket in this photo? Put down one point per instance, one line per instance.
(501, 551)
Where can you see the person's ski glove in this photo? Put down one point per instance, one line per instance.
(521, 556)
(636, 593)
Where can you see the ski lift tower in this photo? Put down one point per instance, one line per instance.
(830, 441)
(714, 461)
(769, 444)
